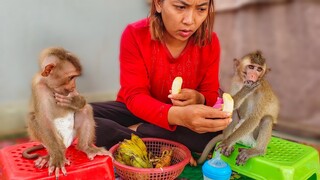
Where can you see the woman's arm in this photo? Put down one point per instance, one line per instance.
(135, 84)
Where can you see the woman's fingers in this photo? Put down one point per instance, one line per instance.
(211, 125)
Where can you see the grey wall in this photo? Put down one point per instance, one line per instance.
(89, 28)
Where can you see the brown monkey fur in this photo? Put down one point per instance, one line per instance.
(256, 106)
(58, 113)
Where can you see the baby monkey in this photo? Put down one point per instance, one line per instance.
(257, 107)
(58, 113)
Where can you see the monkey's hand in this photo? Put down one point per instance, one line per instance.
(53, 165)
(186, 97)
(246, 153)
(41, 161)
(226, 148)
(73, 101)
(56, 164)
(251, 85)
(93, 151)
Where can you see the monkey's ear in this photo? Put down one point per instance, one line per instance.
(268, 70)
(236, 62)
(47, 70)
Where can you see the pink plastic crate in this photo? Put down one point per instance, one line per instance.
(14, 167)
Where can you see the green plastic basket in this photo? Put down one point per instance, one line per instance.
(283, 160)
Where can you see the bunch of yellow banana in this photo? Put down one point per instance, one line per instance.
(133, 152)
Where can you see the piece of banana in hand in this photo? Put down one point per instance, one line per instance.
(176, 85)
(227, 103)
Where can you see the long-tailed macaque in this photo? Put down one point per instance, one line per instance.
(58, 113)
(256, 106)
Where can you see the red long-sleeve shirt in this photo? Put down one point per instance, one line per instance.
(147, 70)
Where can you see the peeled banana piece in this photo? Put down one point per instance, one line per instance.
(176, 85)
(228, 103)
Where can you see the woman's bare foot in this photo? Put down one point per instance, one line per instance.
(134, 127)
(192, 162)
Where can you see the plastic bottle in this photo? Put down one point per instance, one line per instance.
(216, 169)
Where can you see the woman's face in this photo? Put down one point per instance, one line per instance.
(182, 18)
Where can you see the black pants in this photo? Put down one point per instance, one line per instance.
(112, 119)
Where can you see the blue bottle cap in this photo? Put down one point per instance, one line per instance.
(216, 169)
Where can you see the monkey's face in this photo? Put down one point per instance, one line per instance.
(249, 71)
(253, 72)
(62, 78)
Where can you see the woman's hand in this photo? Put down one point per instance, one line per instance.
(186, 97)
(199, 118)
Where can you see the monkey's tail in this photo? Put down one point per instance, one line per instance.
(26, 153)
(208, 148)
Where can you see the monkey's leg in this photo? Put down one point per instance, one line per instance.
(208, 148)
(213, 141)
(248, 126)
(49, 139)
(56, 159)
(264, 135)
(85, 128)
(230, 128)
(34, 135)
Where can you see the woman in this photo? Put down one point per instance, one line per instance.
(175, 40)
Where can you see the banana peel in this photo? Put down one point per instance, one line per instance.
(165, 159)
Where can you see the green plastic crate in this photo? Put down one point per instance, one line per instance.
(283, 160)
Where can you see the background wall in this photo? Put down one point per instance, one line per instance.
(90, 29)
(288, 35)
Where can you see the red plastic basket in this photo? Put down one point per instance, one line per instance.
(180, 158)
(14, 167)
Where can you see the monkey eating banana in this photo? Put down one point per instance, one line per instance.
(257, 109)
